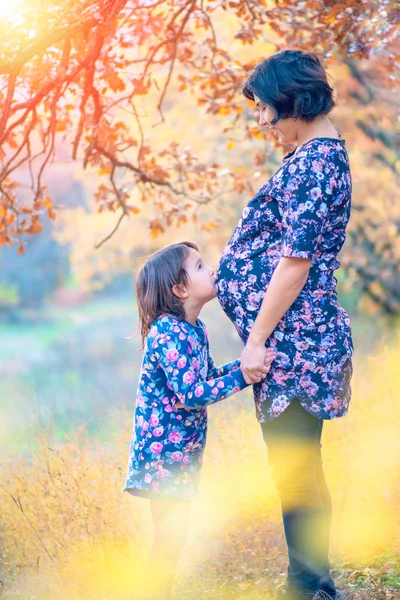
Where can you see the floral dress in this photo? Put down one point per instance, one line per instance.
(302, 211)
(178, 380)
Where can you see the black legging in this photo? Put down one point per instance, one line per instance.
(294, 452)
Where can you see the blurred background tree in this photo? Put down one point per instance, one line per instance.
(139, 106)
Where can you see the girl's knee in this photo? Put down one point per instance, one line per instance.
(173, 536)
(171, 524)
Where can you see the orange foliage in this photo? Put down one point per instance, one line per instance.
(68, 69)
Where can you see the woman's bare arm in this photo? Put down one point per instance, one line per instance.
(286, 284)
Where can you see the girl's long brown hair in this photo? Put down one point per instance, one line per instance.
(154, 282)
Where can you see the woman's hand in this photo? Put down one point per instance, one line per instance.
(255, 362)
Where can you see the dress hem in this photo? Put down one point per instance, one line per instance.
(150, 495)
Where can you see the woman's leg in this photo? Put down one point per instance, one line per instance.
(326, 582)
(294, 452)
(170, 519)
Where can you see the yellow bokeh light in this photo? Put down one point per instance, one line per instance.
(10, 11)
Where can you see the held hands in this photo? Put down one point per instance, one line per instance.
(256, 362)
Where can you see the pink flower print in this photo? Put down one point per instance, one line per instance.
(156, 448)
(301, 345)
(182, 336)
(179, 417)
(174, 437)
(140, 421)
(158, 431)
(312, 388)
(163, 338)
(232, 286)
(148, 478)
(168, 408)
(185, 459)
(188, 377)
(195, 364)
(239, 311)
(253, 300)
(172, 355)
(316, 193)
(165, 400)
(220, 384)
(308, 385)
(140, 400)
(181, 362)
(162, 473)
(153, 332)
(153, 420)
(199, 391)
(214, 391)
(176, 329)
(307, 366)
(156, 485)
(280, 376)
(177, 456)
(316, 166)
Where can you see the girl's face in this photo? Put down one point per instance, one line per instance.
(284, 130)
(201, 286)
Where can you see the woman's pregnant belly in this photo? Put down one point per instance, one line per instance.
(242, 284)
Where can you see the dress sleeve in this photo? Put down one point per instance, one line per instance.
(182, 365)
(214, 371)
(306, 194)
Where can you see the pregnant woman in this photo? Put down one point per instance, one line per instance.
(276, 283)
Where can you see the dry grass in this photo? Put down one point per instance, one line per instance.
(68, 532)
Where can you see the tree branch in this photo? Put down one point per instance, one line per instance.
(7, 103)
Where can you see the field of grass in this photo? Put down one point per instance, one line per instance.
(68, 532)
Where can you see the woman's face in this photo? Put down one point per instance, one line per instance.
(284, 130)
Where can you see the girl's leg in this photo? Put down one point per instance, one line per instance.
(170, 520)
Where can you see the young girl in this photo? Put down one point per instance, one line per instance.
(178, 380)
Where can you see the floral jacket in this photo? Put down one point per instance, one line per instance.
(178, 380)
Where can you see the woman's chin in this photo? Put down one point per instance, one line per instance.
(282, 139)
(285, 140)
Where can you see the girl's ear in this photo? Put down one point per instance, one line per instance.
(180, 292)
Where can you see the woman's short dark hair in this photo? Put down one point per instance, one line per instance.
(154, 282)
(293, 83)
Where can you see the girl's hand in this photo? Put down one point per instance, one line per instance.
(256, 362)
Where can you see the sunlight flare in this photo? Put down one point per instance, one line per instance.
(10, 10)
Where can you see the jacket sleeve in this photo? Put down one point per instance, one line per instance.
(214, 371)
(182, 367)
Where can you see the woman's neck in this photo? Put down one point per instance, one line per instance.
(320, 127)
